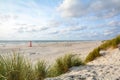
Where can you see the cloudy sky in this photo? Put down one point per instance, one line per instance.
(59, 19)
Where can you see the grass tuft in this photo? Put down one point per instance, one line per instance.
(14, 67)
(92, 55)
(63, 64)
(41, 70)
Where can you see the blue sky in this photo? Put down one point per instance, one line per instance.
(59, 19)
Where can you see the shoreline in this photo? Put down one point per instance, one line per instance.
(50, 51)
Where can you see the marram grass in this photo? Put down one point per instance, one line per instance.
(16, 67)
(113, 43)
(41, 70)
(92, 55)
(63, 64)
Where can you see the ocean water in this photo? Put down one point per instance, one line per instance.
(38, 41)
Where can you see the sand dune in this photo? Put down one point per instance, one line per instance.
(106, 67)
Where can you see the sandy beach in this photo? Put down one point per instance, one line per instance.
(106, 67)
(49, 51)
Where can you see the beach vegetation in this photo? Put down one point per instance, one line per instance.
(15, 67)
(92, 55)
(41, 70)
(113, 43)
(63, 64)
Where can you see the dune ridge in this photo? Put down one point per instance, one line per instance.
(106, 67)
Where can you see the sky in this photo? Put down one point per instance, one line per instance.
(59, 19)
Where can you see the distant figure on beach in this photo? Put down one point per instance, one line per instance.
(30, 44)
(119, 46)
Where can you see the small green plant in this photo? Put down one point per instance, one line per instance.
(41, 70)
(63, 64)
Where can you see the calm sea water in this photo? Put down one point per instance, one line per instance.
(39, 41)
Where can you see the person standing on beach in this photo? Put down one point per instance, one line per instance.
(30, 44)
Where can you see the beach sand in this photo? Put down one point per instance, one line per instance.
(106, 67)
(49, 51)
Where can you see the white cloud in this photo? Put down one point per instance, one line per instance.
(32, 20)
(26, 28)
(24, 18)
(114, 23)
(72, 29)
(77, 8)
(54, 23)
(108, 32)
(113, 28)
(72, 8)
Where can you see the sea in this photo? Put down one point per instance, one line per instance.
(39, 41)
(4, 43)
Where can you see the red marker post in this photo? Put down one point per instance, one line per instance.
(30, 44)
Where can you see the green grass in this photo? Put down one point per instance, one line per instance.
(92, 55)
(106, 45)
(14, 67)
(111, 43)
(63, 64)
(41, 70)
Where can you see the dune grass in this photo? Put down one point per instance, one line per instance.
(14, 67)
(41, 70)
(92, 55)
(63, 64)
(113, 43)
